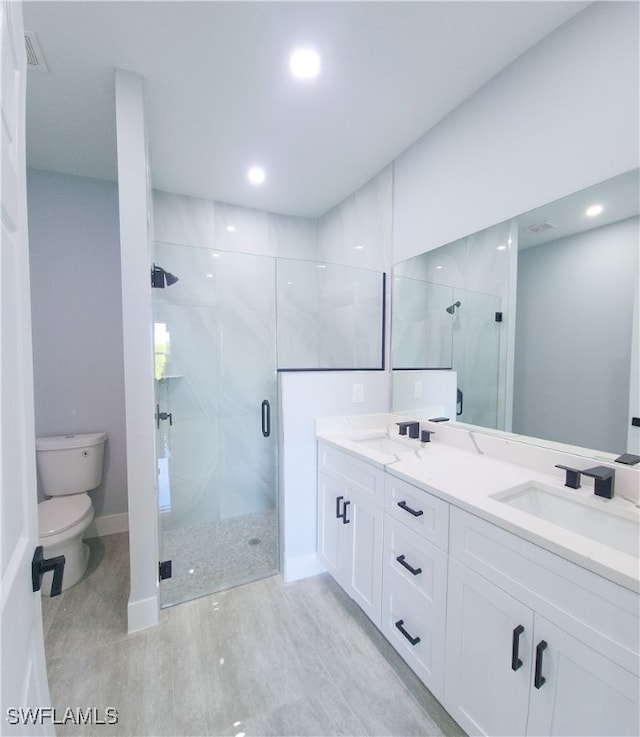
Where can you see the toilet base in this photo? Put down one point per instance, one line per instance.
(76, 555)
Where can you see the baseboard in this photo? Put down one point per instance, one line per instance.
(108, 524)
(302, 566)
(142, 614)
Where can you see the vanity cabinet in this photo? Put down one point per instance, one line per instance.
(521, 661)
(350, 519)
(512, 638)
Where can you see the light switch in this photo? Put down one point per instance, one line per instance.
(358, 393)
(417, 389)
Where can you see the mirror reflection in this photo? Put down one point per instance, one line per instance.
(545, 338)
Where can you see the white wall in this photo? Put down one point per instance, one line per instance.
(74, 247)
(135, 236)
(573, 337)
(560, 118)
(303, 397)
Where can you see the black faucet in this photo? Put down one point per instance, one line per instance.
(604, 480)
(412, 426)
(572, 477)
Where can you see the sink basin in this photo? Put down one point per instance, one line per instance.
(383, 443)
(603, 521)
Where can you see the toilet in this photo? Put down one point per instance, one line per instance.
(68, 467)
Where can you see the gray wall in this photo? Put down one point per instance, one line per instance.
(573, 337)
(74, 247)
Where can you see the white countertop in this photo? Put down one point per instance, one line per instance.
(469, 479)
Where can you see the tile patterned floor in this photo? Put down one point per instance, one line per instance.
(217, 555)
(261, 659)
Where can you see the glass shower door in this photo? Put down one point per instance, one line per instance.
(215, 418)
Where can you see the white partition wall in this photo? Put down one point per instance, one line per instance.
(135, 221)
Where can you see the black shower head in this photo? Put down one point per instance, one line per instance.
(170, 278)
(452, 308)
(161, 278)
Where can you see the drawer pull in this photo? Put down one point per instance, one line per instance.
(403, 562)
(338, 512)
(415, 513)
(412, 640)
(539, 679)
(345, 521)
(515, 646)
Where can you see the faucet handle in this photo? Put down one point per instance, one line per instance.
(604, 479)
(572, 477)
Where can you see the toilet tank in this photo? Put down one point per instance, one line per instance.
(70, 464)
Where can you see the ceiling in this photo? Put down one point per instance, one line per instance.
(219, 96)
(619, 198)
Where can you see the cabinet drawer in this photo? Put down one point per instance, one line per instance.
(418, 510)
(409, 625)
(598, 612)
(355, 474)
(416, 565)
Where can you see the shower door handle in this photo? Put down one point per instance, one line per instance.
(459, 402)
(266, 418)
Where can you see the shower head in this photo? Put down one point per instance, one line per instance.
(452, 308)
(161, 278)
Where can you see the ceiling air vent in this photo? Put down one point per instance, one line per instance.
(35, 58)
(541, 227)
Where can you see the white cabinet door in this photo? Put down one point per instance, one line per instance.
(330, 497)
(363, 529)
(486, 687)
(583, 693)
(350, 543)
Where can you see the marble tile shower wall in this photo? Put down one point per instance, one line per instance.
(357, 232)
(330, 325)
(225, 257)
(328, 316)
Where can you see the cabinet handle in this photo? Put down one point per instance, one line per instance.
(403, 505)
(403, 562)
(338, 512)
(539, 679)
(515, 645)
(412, 640)
(345, 521)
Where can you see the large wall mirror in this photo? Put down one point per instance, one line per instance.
(538, 316)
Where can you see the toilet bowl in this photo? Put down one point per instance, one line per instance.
(68, 467)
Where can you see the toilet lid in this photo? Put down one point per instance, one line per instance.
(58, 514)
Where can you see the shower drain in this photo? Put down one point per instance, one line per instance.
(255, 541)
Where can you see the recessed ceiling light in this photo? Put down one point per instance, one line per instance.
(359, 248)
(501, 248)
(256, 175)
(231, 228)
(594, 210)
(438, 267)
(304, 63)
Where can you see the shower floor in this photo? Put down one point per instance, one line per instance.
(219, 555)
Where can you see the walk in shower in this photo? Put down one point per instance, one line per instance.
(216, 423)
(224, 324)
